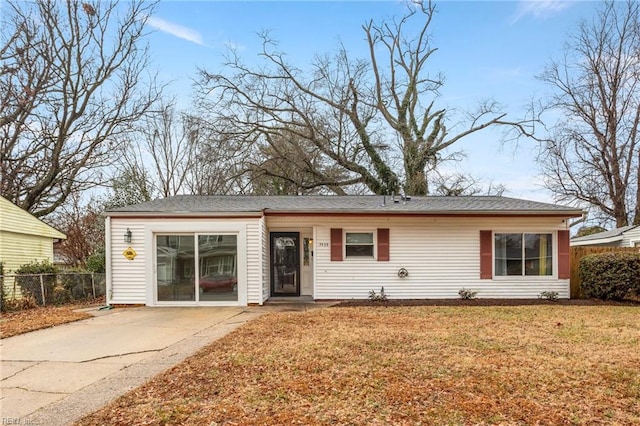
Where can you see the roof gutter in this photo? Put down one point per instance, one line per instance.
(346, 212)
(184, 215)
(467, 213)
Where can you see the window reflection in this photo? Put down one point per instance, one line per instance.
(218, 267)
(175, 267)
(213, 260)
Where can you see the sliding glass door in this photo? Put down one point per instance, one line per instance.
(211, 258)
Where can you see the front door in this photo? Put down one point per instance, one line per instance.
(285, 264)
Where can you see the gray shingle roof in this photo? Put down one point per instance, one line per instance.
(603, 235)
(365, 204)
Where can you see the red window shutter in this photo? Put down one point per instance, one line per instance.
(336, 244)
(383, 244)
(564, 262)
(486, 255)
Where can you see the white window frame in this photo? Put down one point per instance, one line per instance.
(187, 228)
(374, 243)
(554, 256)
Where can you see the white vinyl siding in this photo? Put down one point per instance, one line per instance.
(631, 238)
(441, 254)
(128, 277)
(133, 281)
(264, 244)
(254, 262)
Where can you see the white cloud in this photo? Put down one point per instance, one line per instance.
(176, 30)
(539, 9)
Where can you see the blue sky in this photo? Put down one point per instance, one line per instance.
(485, 50)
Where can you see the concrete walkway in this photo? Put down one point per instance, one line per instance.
(55, 376)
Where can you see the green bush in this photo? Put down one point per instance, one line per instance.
(610, 276)
(29, 281)
(96, 262)
(44, 267)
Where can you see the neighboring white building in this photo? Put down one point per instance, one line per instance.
(239, 250)
(627, 236)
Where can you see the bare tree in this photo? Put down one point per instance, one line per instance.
(354, 113)
(288, 165)
(161, 150)
(73, 81)
(459, 184)
(593, 151)
(131, 186)
(83, 225)
(219, 164)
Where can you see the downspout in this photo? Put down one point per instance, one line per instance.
(578, 221)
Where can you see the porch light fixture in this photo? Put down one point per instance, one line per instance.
(127, 236)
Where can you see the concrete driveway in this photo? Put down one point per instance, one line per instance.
(57, 375)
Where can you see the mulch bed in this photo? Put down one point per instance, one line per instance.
(489, 302)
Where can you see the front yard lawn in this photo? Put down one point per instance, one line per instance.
(405, 365)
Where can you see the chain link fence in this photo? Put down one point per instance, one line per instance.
(53, 289)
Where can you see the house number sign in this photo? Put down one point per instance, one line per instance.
(323, 244)
(129, 253)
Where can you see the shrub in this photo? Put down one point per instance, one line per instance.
(610, 276)
(549, 295)
(382, 297)
(25, 302)
(61, 295)
(467, 294)
(44, 267)
(96, 262)
(29, 282)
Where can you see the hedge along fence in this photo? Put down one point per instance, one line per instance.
(611, 276)
(578, 252)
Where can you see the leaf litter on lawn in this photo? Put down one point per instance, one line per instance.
(405, 365)
(26, 320)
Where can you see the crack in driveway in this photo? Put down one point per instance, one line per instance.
(123, 354)
(37, 391)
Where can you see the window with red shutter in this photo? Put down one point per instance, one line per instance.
(486, 255)
(564, 270)
(383, 244)
(336, 244)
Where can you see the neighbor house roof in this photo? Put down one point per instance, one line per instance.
(19, 221)
(603, 237)
(208, 205)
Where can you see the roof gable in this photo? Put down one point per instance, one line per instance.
(604, 237)
(14, 219)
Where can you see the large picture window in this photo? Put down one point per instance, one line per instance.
(210, 258)
(359, 244)
(523, 254)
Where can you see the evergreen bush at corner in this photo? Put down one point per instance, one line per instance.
(610, 276)
(29, 281)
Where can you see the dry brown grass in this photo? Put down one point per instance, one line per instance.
(24, 321)
(547, 365)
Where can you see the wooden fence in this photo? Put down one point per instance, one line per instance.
(577, 253)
